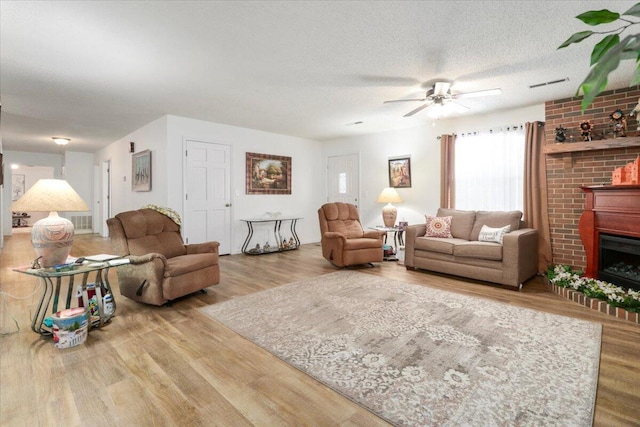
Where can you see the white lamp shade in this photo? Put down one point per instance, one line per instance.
(389, 195)
(49, 195)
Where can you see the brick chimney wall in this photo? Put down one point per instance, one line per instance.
(567, 172)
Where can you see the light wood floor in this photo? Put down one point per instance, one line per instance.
(171, 366)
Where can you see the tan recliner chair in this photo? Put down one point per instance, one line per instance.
(344, 242)
(162, 267)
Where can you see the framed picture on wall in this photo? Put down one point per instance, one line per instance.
(141, 171)
(17, 186)
(268, 174)
(400, 172)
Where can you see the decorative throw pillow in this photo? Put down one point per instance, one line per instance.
(488, 234)
(438, 226)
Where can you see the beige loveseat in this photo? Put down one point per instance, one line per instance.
(509, 263)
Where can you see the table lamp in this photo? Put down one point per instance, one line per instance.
(52, 237)
(389, 212)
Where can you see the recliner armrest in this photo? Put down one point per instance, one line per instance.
(333, 235)
(373, 234)
(142, 259)
(202, 248)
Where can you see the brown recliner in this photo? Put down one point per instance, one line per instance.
(162, 267)
(344, 242)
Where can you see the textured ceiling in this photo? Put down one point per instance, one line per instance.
(94, 71)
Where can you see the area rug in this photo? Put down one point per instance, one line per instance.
(417, 356)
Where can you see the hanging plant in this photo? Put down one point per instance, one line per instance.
(609, 51)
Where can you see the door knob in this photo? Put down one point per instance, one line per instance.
(227, 204)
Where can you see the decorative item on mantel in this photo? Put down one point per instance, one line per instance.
(586, 127)
(561, 134)
(618, 122)
(634, 113)
(628, 174)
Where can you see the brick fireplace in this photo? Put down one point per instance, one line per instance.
(588, 164)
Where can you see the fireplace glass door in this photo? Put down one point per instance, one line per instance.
(620, 260)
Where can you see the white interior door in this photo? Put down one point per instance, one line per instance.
(207, 206)
(343, 178)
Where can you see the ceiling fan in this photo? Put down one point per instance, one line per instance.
(440, 95)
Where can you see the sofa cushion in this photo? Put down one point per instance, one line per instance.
(489, 234)
(437, 244)
(438, 226)
(479, 250)
(495, 219)
(461, 222)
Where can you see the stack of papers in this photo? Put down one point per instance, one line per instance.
(100, 257)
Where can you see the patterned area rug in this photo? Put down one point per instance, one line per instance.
(419, 356)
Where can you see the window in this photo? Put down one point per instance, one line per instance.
(489, 170)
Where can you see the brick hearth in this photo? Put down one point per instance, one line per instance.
(595, 304)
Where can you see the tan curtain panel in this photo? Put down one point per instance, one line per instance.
(535, 192)
(447, 171)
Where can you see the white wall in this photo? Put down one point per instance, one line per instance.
(306, 188)
(166, 138)
(422, 145)
(78, 172)
(152, 136)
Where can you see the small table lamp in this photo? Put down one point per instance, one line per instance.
(52, 237)
(389, 212)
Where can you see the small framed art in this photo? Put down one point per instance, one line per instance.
(141, 171)
(400, 172)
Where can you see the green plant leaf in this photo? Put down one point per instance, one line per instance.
(597, 17)
(634, 11)
(636, 75)
(596, 80)
(601, 48)
(576, 38)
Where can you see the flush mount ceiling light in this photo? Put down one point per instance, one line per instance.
(60, 141)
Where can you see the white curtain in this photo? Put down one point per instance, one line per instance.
(489, 169)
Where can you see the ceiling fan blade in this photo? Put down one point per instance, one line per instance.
(403, 100)
(420, 108)
(458, 106)
(479, 93)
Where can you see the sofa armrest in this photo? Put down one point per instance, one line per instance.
(410, 234)
(202, 248)
(520, 255)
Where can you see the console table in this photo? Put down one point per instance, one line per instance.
(50, 290)
(280, 244)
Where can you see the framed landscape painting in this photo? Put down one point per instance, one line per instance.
(400, 172)
(141, 171)
(268, 174)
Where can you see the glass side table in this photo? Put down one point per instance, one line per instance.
(398, 239)
(52, 284)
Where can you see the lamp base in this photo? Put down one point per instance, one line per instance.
(52, 238)
(389, 215)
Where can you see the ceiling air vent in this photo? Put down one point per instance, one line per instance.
(566, 79)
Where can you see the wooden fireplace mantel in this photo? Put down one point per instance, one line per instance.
(610, 209)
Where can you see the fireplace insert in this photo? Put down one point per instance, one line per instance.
(620, 260)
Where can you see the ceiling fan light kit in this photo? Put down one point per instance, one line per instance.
(440, 96)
